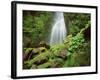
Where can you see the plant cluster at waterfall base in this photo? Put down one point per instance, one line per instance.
(74, 51)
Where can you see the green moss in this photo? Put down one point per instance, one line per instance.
(80, 57)
(42, 49)
(75, 51)
(57, 48)
(53, 63)
(45, 65)
(27, 50)
(39, 57)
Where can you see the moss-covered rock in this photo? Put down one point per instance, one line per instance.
(40, 58)
(27, 54)
(57, 48)
(26, 66)
(45, 65)
(73, 52)
(35, 50)
(57, 63)
(30, 53)
(52, 63)
(34, 66)
(42, 49)
(63, 53)
(44, 44)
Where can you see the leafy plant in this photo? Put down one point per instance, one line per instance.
(75, 42)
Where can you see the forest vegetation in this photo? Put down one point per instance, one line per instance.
(75, 51)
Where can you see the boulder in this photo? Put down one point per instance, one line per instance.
(44, 44)
(62, 54)
(30, 53)
(42, 49)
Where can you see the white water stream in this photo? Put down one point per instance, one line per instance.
(58, 32)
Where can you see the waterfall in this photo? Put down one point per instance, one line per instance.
(58, 32)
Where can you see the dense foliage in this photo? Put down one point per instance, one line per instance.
(36, 27)
(76, 21)
(74, 51)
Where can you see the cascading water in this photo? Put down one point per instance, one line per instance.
(58, 32)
